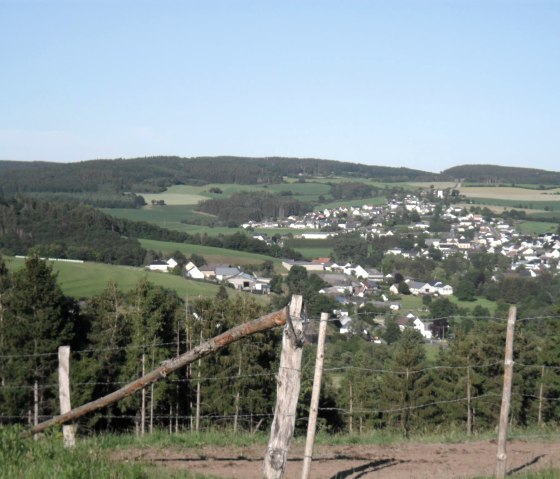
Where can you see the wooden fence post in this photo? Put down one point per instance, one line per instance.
(506, 396)
(68, 432)
(287, 391)
(315, 394)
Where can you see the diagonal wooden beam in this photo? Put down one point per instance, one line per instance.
(264, 323)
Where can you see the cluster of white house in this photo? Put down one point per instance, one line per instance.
(230, 274)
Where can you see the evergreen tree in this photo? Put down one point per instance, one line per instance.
(37, 321)
(100, 368)
(407, 385)
(152, 320)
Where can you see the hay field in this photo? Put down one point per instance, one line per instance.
(510, 193)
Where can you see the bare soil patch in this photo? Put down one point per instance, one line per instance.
(418, 461)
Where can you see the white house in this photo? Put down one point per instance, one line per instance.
(355, 270)
(163, 266)
(345, 323)
(192, 271)
(417, 324)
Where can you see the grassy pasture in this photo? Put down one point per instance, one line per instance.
(211, 254)
(438, 185)
(414, 303)
(552, 205)
(175, 217)
(537, 227)
(191, 195)
(184, 199)
(312, 248)
(81, 280)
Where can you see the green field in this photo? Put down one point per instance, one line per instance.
(81, 280)
(211, 254)
(537, 227)
(178, 218)
(549, 205)
(191, 195)
(311, 248)
(415, 305)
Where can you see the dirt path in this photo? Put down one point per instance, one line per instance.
(418, 461)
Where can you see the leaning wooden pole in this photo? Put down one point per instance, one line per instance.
(264, 323)
(287, 393)
(315, 394)
(506, 396)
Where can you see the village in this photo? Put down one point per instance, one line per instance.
(353, 285)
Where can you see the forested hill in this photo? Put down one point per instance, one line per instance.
(493, 174)
(156, 173)
(64, 230)
(6, 165)
(70, 230)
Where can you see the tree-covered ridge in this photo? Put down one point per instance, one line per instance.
(6, 165)
(494, 174)
(256, 206)
(64, 230)
(157, 173)
(74, 231)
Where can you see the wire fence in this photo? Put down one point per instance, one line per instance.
(377, 397)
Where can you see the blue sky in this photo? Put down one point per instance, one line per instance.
(422, 84)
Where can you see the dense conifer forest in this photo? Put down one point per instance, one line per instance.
(156, 173)
(75, 231)
(493, 174)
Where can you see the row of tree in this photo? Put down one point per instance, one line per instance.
(116, 336)
(256, 206)
(75, 231)
(157, 173)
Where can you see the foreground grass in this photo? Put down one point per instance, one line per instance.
(91, 458)
(226, 438)
(44, 459)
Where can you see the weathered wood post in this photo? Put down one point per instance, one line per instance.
(506, 396)
(315, 394)
(68, 432)
(287, 391)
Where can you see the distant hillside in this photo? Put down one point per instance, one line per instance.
(493, 174)
(156, 173)
(22, 165)
(69, 230)
(65, 231)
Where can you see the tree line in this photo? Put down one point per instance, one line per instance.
(115, 336)
(256, 206)
(154, 174)
(507, 175)
(75, 231)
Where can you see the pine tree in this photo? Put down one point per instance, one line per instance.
(100, 368)
(407, 385)
(37, 322)
(152, 320)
